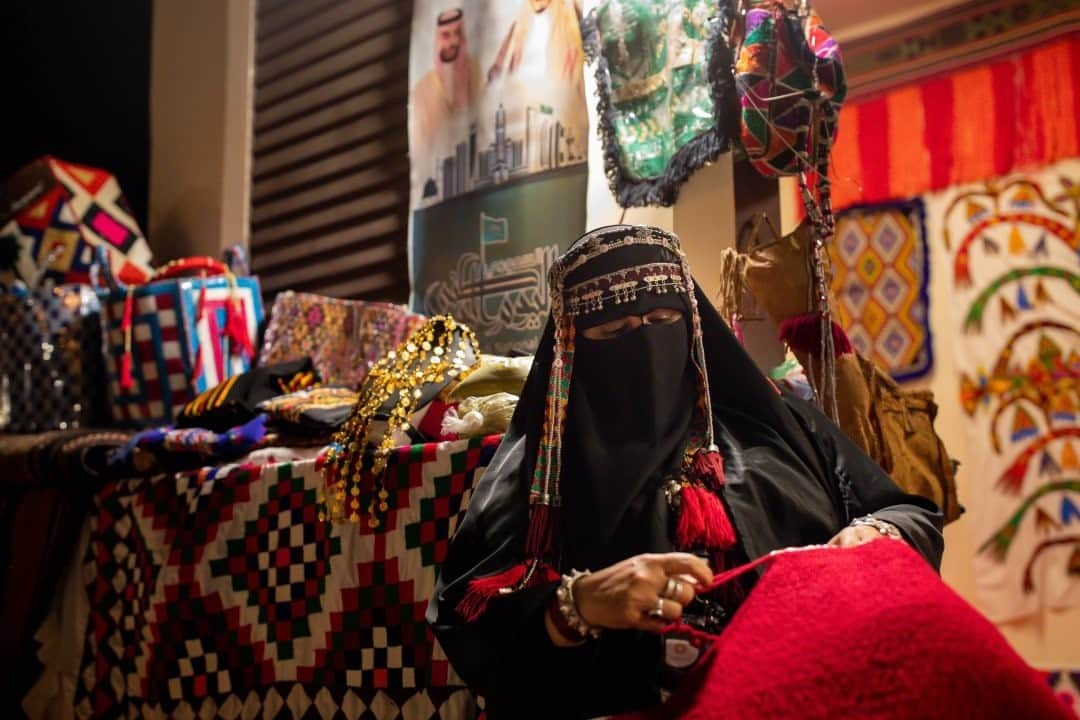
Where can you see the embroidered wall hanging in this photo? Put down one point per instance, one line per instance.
(219, 594)
(880, 277)
(1015, 279)
(665, 92)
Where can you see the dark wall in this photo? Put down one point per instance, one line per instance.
(76, 85)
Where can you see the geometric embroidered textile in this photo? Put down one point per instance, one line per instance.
(218, 593)
(880, 279)
(1010, 248)
(59, 212)
(281, 561)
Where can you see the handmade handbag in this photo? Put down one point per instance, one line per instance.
(61, 214)
(343, 338)
(789, 78)
(168, 340)
(868, 632)
(51, 371)
(666, 101)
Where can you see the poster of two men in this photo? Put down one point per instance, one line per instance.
(497, 143)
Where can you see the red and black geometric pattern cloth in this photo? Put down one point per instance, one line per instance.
(220, 594)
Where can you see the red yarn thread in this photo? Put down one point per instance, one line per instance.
(126, 380)
(237, 330)
(703, 521)
(483, 589)
(803, 334)
(200, 309)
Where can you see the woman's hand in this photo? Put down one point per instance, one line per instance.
(855, 535)
(645, 592)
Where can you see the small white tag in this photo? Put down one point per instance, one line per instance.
(679, 653)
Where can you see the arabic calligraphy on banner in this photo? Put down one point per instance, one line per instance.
(497, 142)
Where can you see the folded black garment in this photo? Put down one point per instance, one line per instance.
(315, 412)
(235, 401)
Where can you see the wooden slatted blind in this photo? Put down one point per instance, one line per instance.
(330, 172)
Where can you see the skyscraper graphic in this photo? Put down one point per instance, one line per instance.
(547, 144)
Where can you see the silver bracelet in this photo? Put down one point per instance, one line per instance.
(568, 605)
(885, 528)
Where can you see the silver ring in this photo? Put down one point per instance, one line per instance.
(671, 588)
(658, 611)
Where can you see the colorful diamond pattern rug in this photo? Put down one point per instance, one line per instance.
(880, 281)
(218, 593)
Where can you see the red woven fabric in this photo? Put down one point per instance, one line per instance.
(867, 632)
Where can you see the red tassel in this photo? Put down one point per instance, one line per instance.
(237, 329)
(483, 589)
(803, 334)
(200, 308)
(543, 521)
(126, 380)
(703, 521)
(707, 467)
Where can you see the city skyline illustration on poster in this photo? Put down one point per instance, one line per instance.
(497, 143)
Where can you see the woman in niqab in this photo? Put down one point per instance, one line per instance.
(647, 451)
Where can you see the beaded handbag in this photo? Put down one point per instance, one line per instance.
(343, 338)
(51, 372)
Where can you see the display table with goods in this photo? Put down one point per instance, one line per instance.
(220, 593)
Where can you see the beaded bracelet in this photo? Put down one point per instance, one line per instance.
(566, 618)
(885, 528)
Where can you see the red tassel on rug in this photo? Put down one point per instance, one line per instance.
(126, 380)
(707, 467)
(483, 589)
(703, 521)
(803, 334)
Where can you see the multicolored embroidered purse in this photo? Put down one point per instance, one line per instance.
(790, 82)
(169, 340)
(343, 338)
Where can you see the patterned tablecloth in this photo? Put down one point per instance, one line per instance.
(220, 594)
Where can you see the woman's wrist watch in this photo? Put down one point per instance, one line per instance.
(564, 612)
(885, 528)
